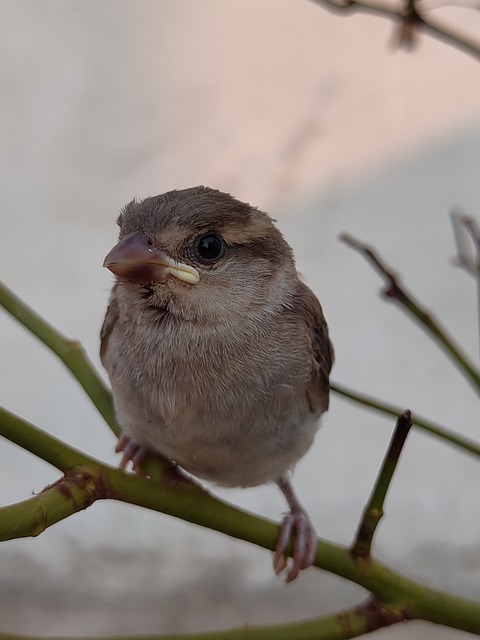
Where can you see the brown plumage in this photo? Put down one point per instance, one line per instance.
(217, 353)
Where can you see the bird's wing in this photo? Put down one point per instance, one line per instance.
(111, 318)
(321, 349)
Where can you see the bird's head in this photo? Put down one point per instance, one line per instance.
(201, 253)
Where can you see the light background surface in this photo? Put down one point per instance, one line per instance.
(318, 120)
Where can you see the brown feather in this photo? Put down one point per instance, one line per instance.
(227, 375)
(111, 318)
(322, 354)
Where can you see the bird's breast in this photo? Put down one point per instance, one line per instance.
(233, 411)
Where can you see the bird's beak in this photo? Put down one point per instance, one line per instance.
(137, 257)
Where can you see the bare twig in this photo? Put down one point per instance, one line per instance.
(406, 19)
(373, 511)
(395, 291)
(465, 257)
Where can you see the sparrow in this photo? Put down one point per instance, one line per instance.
(217, 353)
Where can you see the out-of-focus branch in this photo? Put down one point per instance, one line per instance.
(397, 292)
(349, 623)
(373, 511)
(421, 423)
(466, 228)
(409, 20)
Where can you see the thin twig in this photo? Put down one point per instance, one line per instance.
(373, 511)
(432, 27)
(419, 422)
(70, 352)
(474, 231)
(395, 291)
(472, 227)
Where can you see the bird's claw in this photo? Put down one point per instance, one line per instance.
(132, 452)
(172, 474)
(297, 526)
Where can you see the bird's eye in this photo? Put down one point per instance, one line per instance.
(211, 247)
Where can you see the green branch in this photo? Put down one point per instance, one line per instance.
(69, 351)
(91, 481)
(74, 492)
(396, 292)
(389, 587)
(419, 422)
(350, 623)
(41, 443)
(73, 356)
(373, 511)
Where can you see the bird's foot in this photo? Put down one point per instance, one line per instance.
(132, 452)
(296, 527)
(171, 474)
